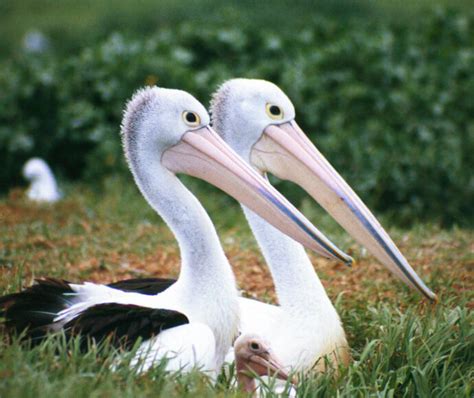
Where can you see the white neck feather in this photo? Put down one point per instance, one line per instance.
(44, 188)
(206, 285)
(46, 176)
(204, 263)
(46, 182)
(297, 284)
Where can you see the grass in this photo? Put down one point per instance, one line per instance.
(401, 346)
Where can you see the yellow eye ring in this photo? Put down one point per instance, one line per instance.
(274, 111)
(191, 118)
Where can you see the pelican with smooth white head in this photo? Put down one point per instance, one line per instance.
(43, 186)
(196, 317)
(256, 119)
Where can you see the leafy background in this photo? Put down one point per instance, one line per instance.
(384, 92)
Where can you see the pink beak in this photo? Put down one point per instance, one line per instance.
(203, 154)
(285, 151)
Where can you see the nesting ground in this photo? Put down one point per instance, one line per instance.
(103, 238)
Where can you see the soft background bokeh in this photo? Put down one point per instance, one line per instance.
(384, 88)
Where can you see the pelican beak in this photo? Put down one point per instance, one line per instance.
(203, 154)
(267, 365)
(285, 151)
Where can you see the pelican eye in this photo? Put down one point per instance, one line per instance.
(274, 111)
(191, 118)
(254, 346)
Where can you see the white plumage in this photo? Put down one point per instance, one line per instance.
(257, 120)
(166, 132)
(305, 325)
(178, 347)
(43, 186)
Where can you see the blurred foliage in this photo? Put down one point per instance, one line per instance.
(390, 105)
(70, 24)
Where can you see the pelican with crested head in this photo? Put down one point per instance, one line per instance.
(257, 120)
(191, 321)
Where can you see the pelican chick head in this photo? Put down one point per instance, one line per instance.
(253, 356)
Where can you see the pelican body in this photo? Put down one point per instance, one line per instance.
(43, 186)
(192, 321)
(256, 119)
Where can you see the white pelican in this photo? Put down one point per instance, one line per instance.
(43, 187)
(194, 320)
(257, 120)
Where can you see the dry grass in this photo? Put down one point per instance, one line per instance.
(68, 242)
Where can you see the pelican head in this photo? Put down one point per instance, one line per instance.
(258, 120)
(156, 119)
(165, 130)
(36, 169)
(243, 108)
(253, 356)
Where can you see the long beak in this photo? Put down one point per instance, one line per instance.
(286, 152)
(203, 154)
(269, 366)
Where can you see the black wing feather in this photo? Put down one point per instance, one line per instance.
(123, 324)
(148, 286)
(35, 308)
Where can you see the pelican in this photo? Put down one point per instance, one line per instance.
(254, 357)
(256, 119)
(192, 321)
(43, 186)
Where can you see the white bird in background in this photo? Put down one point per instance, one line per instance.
(195, 318)
(257, 120)
(43, 186)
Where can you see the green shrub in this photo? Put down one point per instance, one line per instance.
(390, 106)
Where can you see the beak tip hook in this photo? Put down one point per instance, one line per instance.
(434, 298)
(348, 261)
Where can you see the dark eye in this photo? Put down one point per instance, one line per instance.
(274, 111)
(191, 118)
(254, 346)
